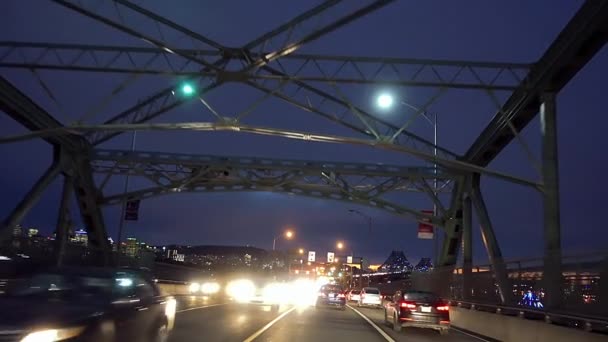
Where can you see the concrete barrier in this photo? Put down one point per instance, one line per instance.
(174, 289)
(508, 328)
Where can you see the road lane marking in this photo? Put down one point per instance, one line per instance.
(199, 307)
(267, 326)
(466, 333)
(385, 335)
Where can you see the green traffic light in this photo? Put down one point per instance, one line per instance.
(187, 89)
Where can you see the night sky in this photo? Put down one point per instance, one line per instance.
(514, 31)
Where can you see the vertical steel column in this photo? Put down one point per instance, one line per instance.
(29, 200)
(467, 244)
(490, 242)
(552, 274)
(63, 220)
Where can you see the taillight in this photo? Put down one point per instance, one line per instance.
(407, 305)
(443, 308)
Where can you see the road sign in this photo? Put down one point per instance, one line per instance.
(425, 229)
(132, 210)
(349, 259)
(330, 257)
(311, 256)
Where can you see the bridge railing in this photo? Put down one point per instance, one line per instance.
(583, 291)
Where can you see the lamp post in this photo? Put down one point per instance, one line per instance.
(288, 236)
(386, 101)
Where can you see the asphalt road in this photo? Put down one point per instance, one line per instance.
(210, 320)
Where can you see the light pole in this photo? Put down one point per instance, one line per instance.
(386, 101)
(288, 236)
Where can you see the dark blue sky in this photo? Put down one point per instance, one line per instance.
(517, 31)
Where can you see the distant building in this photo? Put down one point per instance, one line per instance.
(424, 265)
(80, 237)
(32, 232)
(132, 247)
(396, 262)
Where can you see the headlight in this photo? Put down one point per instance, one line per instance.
(194, 287)
(241, 290)
(52, 335)
(276, 293)
(210, 288)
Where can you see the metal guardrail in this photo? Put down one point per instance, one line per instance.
(588, 323)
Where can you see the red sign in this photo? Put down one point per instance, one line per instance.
(425, 228)
(132, 210)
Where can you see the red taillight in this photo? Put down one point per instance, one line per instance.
(407, 305)
(443, 308)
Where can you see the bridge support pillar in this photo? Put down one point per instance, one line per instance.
(88, 198)
(552, 274)
(467, 244)
(490, 242)
(63, 220)
(29, 200)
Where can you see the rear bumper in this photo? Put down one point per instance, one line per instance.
(408, 322)
(325, 302)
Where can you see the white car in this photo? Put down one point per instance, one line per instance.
(370, 296)
(353, 295)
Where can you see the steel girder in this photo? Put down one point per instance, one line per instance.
(69, 157)
(579, 41)
(368, 184)
(290, 39)
(321, 68)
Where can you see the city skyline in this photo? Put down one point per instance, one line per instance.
(255, 218)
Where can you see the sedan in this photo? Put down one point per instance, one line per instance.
(86, 304)
(331, 295)
(417, 309)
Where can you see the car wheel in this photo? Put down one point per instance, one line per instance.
(443, 331)
(161, 334)
(386, 322)
(396, 324)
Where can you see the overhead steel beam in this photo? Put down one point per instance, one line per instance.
(314, 68)
(26, 112)
(163, 101)
(578, 42)
(453, 165)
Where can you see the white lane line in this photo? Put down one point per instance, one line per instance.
(199, 307)
(385, 335)
(267, 326)
(471, 335)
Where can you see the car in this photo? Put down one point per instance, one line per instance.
(370, 296)
(354, 295)
(259, 292)
(209, 288)
(86, 304)
(417, 309)
(331, 295)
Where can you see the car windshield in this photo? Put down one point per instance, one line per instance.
(420, 296)
(372, 291)
(331, 288)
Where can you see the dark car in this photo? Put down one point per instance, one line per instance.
(417, 309)
(86, 304)
(331, 295)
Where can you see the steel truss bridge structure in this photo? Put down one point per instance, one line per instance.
(271, 64)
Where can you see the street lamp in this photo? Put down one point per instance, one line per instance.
(340, 245)
(288, 236)
(301, 251)
(385, 101)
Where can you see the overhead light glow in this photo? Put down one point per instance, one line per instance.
(385, 101)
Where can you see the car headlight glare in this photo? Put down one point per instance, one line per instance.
(52, 335)
(195, 287)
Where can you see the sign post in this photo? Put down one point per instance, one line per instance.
(425, 228)
(311, 256)
(132, 210)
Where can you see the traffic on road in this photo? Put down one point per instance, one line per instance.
(87, 304)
